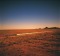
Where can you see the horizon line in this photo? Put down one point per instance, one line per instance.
(28, 28)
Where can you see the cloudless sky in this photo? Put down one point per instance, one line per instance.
(29, 14)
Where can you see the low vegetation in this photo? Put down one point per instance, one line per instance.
(46, 43)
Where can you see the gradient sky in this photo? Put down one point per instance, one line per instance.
(28, 14)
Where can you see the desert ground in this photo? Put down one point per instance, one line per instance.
(30, 42)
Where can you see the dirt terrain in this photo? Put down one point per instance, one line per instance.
(30, 42)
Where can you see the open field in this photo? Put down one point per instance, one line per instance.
(38, 42)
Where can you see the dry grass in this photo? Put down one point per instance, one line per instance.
(46, 43)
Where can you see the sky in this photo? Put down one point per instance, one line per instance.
(29, 14)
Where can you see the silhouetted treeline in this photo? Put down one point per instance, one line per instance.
(52, 28)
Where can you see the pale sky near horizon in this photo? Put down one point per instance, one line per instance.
(29, 14)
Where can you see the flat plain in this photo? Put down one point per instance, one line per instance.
(30, 42)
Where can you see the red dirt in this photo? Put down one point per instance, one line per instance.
(46, 43)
